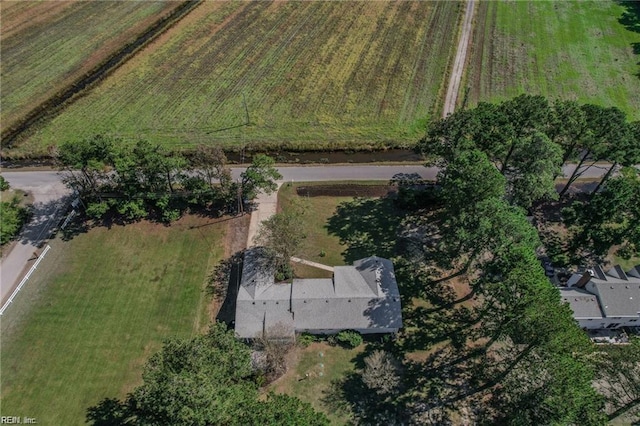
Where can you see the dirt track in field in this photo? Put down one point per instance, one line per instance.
(460, 60)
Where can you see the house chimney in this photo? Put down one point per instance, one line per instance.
(586, 277)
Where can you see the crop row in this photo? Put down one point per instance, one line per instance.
(47, 45)
(308, 74)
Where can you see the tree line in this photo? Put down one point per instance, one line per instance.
(528, 140)
(144, 180)
(543, 376)
(516, 356)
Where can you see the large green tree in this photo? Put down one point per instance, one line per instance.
(610, 218)
(605, 129)
(534, 167)
(261, 175)
(86, 162)
(283, 235)
(204, 381)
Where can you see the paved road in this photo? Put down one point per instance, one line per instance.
(458, 64)
(51, 182)
(49, 202)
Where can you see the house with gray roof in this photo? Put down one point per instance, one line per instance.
(362, 297)
(602, 299)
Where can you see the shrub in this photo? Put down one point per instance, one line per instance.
(305, 339)
(97, 210)
(12, 217)
(323, 253)
(4, 185)
(349, 338)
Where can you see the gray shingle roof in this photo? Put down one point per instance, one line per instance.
(363, 296)
(618, 292)
(349, 282)
(583, 304)
(320, 288)
(257, 273)
(619, 298)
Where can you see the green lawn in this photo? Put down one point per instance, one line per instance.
(98, 306)
(317, 367)
(305, 74)
(320, 209)
(321, 237)
(583, 50)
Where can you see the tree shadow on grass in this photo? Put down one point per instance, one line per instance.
(349, 395)
(368, 227)
(224, 283)
(108, 412)
(631, 20)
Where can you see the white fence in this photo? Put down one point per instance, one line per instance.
(24, 280)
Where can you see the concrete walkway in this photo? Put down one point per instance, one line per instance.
(314, 264)
(266, 205)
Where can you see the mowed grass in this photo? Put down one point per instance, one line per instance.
(319, 210)
(561, 49)
(46, 45)
(317, 366)
(320, 75)
(97, 308)
(319, 238)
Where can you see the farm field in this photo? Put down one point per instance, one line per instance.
(587, 51)
(95, 310)
(47, 45)
(313, 75)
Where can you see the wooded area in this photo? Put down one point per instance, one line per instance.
(146, 180)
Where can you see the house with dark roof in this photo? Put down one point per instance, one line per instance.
(362, 297)
(602, 299)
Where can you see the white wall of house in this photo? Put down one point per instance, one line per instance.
(359, 330)
(613, 323)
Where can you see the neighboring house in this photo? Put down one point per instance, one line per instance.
(601, 299)
(363, 297)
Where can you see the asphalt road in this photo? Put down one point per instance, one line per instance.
(50, 182)
(51, 199)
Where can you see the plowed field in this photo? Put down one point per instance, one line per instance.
(587, 50)
(277, 74)
(47, 45)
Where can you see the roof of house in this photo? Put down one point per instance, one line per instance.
(362, 296)
(583, 304)
(257, 273)
(618, 292)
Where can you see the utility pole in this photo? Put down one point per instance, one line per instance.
(246, 110)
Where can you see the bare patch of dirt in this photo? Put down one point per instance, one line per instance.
(345, 190)
(235, 241)
(237, 233)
